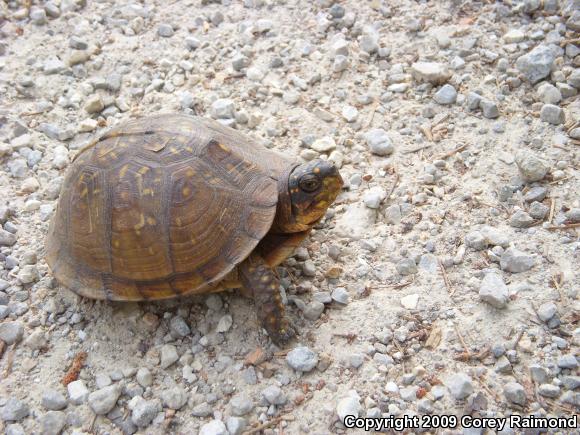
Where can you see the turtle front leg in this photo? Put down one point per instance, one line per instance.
(259, 279)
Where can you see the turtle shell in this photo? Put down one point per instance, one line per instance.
(161, 207)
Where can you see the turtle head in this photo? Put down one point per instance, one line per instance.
(308, 192)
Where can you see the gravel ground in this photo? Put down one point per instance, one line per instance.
(444, 280)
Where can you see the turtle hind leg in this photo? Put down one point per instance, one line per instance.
(259, 279)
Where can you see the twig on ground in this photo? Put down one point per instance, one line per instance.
(450, 289)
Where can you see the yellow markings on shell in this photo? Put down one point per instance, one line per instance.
(189, 149)
(174, 150)
(143, 170)
(178, 221)
(265, 278)
(116, 243)
(123, 171)
(148, 192)
(141, 223)
(151, 251)
(272, 319)
(273, 287)
(223, 147)
(185, 191)
(190, 172)
(151, 220)
(84, 192)
(252, 269)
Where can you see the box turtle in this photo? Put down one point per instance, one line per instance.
(172, 205)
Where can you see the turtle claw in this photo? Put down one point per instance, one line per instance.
(283, 334)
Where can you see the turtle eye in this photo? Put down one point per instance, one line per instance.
(309, 183)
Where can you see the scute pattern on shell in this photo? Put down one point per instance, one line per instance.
(160, 207)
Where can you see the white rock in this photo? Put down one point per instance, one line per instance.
(324, 144)
(77, 392)
(348, 406)
(410, 301)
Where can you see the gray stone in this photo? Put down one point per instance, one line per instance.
(144, 377)
(374, 197)
(536, 64)
(514, 36)
(77, 392)
(446, 95)
(516, 261)
(178, 327)
(552, 114)
(174, 398)
(214, 427)
(531, 167)
(222, 109)
(37, 340)
(379, 142)
(324, 144)
(144, 412)
(538, 210)
(549, 390)
(53, 422)
(192, 43)
(539, 374)
(225, 323)
(476, 241)
(52, 10)
(15, 429)
(6, 238)
(546, 311)
(549, 94)
(515, 393)
(409, 394)
(14, 410)
(53, 400)
(573, 216)
(369, 43)
(274, 395)
(406, 266)
(241, 404)
(571, 382)
(235, 425)
(434, 73)
(340, 63)
(168, 355)
(568, 361)
(53, 66)
(11, 332)
(356, 360)
(313, 310)
(521, 219)
(503, 365)
(28, 274)
(349, 405)
(103, 400)
(38, 16)
(165, 30)
(340, 295)
(460, 385)
(94, 104)
(489, 109)
(202, 410)
(473, 100)
(494, 291)
(302, 359)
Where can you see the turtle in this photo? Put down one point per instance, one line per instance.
(171, 205)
